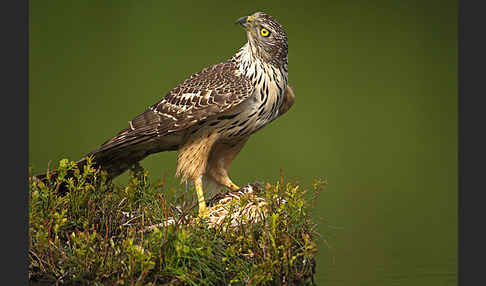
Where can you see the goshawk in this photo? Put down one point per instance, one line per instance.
(209, 117)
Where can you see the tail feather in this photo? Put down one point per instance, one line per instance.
(119, 154)
(114, 161)
(131, 145)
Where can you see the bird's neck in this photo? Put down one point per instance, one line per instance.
(269, 82)
(250, 65)
(245, 58)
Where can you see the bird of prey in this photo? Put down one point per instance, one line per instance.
(209, 117)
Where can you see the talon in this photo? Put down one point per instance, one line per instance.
(234, 187)
(203, 213)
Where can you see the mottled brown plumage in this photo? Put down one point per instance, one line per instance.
(209, 116)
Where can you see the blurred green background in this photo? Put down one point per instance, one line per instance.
(375, 112)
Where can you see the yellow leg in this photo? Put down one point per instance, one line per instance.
(203, 210)
(221, 177)
(219, 161)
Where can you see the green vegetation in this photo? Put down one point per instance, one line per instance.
(118, 235)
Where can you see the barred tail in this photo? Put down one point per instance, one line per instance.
(121, 152)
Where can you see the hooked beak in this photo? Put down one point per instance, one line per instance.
(245, 21)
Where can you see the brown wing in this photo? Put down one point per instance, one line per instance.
(288, 100)
(209, 92)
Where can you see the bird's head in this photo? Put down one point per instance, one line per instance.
(267, 38)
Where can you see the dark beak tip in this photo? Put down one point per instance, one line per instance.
(242, 20)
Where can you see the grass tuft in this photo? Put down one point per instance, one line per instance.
(121, 235)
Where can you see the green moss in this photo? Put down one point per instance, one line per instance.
(105, 233)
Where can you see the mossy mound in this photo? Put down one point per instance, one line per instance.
(137, 234)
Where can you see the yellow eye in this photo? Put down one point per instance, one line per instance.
(264, 32)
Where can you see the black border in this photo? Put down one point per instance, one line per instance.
(14, 20)
(472, 80)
